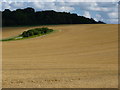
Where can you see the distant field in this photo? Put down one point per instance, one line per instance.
(76, 56)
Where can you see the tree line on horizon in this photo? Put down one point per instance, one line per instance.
(29, 16)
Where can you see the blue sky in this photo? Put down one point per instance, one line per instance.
(96, 9)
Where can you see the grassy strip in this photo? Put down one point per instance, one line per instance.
(9, 39)
(19, 37)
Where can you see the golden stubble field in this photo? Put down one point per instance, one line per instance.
(75, 56)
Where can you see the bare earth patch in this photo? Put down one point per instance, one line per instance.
(77, 56)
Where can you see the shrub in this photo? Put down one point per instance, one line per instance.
(36, 31)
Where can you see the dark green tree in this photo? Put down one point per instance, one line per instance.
(28, 16)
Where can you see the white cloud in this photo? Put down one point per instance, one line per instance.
(0, 6)
(112, 21)
(61, 0)
(113, 15)
(87, 14)
(17, 5)
(99, 9)
(98, 17)
(96, 6)
(5, 6)
(52, 6)
(65, 8)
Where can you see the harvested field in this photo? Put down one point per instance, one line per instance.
(75, 56)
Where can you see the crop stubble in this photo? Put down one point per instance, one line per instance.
(76, 56)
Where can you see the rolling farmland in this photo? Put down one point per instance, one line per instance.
(75, 56)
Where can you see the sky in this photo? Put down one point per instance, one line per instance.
(99, 10)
